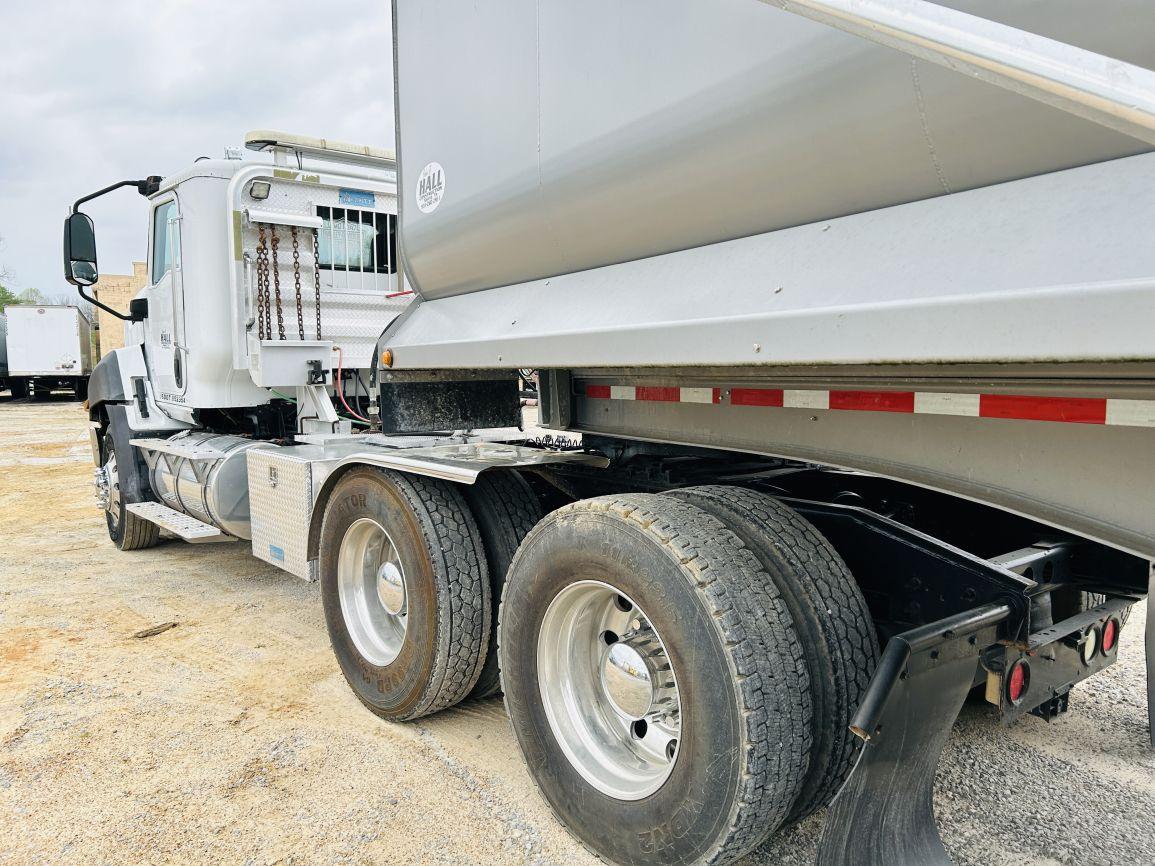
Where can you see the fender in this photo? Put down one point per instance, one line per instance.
(105, 384)
(121, 378)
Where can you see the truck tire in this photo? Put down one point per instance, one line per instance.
(506, 509)
(405, 590)
(127, 530)
(80, 388)
(653, 681)
(19, 388)
(1094, 599)
(830, 617)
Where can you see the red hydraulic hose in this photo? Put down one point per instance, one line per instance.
(341, 387)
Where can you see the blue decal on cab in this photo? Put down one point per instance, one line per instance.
(357, 198)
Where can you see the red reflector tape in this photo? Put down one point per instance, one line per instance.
(1014, 407)
(756, 397)
(1078, 410)
(873, 401)
(658, 395)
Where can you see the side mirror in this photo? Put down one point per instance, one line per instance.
(80, 250)
(138, 309)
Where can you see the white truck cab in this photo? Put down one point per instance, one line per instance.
(305, 245)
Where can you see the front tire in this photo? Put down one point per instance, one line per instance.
(127, 531)
(666, 587)
(405, 591)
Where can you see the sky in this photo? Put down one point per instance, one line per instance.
(96, 91)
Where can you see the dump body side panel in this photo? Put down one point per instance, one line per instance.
(632, 129)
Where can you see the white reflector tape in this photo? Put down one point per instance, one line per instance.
(696, 395)
(946, 404)
(806, 399)
(1131, 413)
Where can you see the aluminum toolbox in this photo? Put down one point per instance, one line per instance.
(282, 485)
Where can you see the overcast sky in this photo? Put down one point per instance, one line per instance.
(96, 91)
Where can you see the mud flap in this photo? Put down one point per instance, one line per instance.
(1149, 648)
(883, 815)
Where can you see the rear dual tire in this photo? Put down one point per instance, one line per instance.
(506, 509)
(663, 656)
(831, 621)
(727, 638)
(405, 589)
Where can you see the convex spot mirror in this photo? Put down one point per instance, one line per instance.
(80, 250)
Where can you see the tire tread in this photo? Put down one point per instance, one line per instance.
(830, 615)
(506, 510)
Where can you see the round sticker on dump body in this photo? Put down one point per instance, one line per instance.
(430, 187)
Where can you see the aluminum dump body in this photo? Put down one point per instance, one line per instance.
(550, 137)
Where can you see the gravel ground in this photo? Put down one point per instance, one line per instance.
(233, 738)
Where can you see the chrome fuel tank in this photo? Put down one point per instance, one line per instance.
(542, 137)
(206, 476)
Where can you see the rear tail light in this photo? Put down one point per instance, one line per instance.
(1110, 635)
(1018, 681)
(1089, 645)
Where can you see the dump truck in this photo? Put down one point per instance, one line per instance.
(839, 312)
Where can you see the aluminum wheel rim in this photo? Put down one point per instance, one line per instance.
(112, 484)
(371, 587)
(620, 741)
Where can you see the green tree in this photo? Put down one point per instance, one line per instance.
(7, 297)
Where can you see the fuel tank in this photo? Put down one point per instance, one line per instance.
(542, 137)
(214, 488)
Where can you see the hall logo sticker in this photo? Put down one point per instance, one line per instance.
(430, 187)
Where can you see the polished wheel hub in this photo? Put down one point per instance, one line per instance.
(100, 482)
(391, 588)
(627, 680)
(107, 481)
(609, 690)
(371, 588)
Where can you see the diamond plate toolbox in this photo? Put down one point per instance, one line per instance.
(281, 488)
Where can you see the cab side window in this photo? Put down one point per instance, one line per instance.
(165, 243)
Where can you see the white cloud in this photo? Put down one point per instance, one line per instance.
(95, 92)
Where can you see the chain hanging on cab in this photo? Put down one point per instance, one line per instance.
(317, 279)
(275, 242)
(264, 327)
(297, 281)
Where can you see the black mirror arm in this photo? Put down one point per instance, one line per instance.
(145, 187)
(80, 291)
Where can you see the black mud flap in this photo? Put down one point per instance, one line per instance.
(1149, 647)
(883, 815)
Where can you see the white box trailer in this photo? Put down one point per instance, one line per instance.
(3, 351)
(49, 348)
